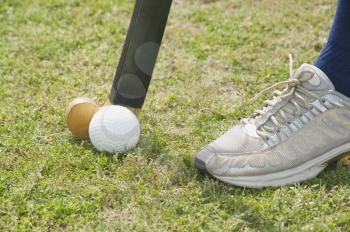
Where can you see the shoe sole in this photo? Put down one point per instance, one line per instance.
(305, 171)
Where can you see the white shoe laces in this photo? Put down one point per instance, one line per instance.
(295, 103)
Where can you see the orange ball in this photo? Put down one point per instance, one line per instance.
(79, 114)
(345, 161)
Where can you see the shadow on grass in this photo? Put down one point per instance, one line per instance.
(220, 193)
(87, 145)
(151, 147)
(84, 143)
(334, 175)
(213, 190)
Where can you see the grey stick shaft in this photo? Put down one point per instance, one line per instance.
(138, 59)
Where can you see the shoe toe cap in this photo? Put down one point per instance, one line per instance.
(203, 157)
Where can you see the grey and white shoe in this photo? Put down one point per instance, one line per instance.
(287, 141)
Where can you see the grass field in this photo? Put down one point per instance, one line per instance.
(216, 54)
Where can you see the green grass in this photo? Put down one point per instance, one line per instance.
(215, 55)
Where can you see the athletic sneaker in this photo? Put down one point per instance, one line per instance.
(289, 140)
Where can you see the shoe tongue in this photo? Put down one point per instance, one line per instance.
(317, 80)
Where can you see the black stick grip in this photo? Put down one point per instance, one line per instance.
(140, 51)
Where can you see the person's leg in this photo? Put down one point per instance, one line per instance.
(335, 57)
